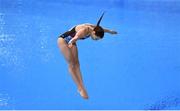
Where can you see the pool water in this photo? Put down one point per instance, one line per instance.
(139, 68)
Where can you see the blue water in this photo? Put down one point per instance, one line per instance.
(139, 68)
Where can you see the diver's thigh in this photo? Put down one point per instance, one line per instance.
(65, 50)
(74, 51)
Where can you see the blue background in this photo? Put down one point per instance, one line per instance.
(139, 68)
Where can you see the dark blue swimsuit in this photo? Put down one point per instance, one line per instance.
(67, 36)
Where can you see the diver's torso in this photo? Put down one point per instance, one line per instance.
(86, 27)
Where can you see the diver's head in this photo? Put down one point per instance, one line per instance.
(98, 31)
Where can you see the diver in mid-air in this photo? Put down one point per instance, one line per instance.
(67, 45)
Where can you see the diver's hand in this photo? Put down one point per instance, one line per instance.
(113, 32)
(70, 45)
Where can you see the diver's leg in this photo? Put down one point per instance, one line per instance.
(82, 90)
(63, 46)
(74, 51)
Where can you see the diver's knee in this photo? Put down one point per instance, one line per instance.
(77, 65)
(72, 65)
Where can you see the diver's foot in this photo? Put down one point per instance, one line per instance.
(83, 93)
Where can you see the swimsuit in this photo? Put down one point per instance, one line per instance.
(67, 36)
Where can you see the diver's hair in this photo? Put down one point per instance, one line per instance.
(99, 31)
(99, 21)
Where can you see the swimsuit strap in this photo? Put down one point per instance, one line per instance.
(85, 37)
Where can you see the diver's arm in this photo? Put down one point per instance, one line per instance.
(73, 40)
(109, 31)
(78, 35)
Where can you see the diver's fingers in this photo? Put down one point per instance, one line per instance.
(113, 32)
(70, 45)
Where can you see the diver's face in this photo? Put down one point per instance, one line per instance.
(94, 37)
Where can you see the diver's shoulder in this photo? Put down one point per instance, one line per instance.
(85, 24)
(89, 24)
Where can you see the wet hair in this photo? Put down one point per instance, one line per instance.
(99, 31)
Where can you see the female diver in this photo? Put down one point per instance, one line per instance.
(67, 45)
